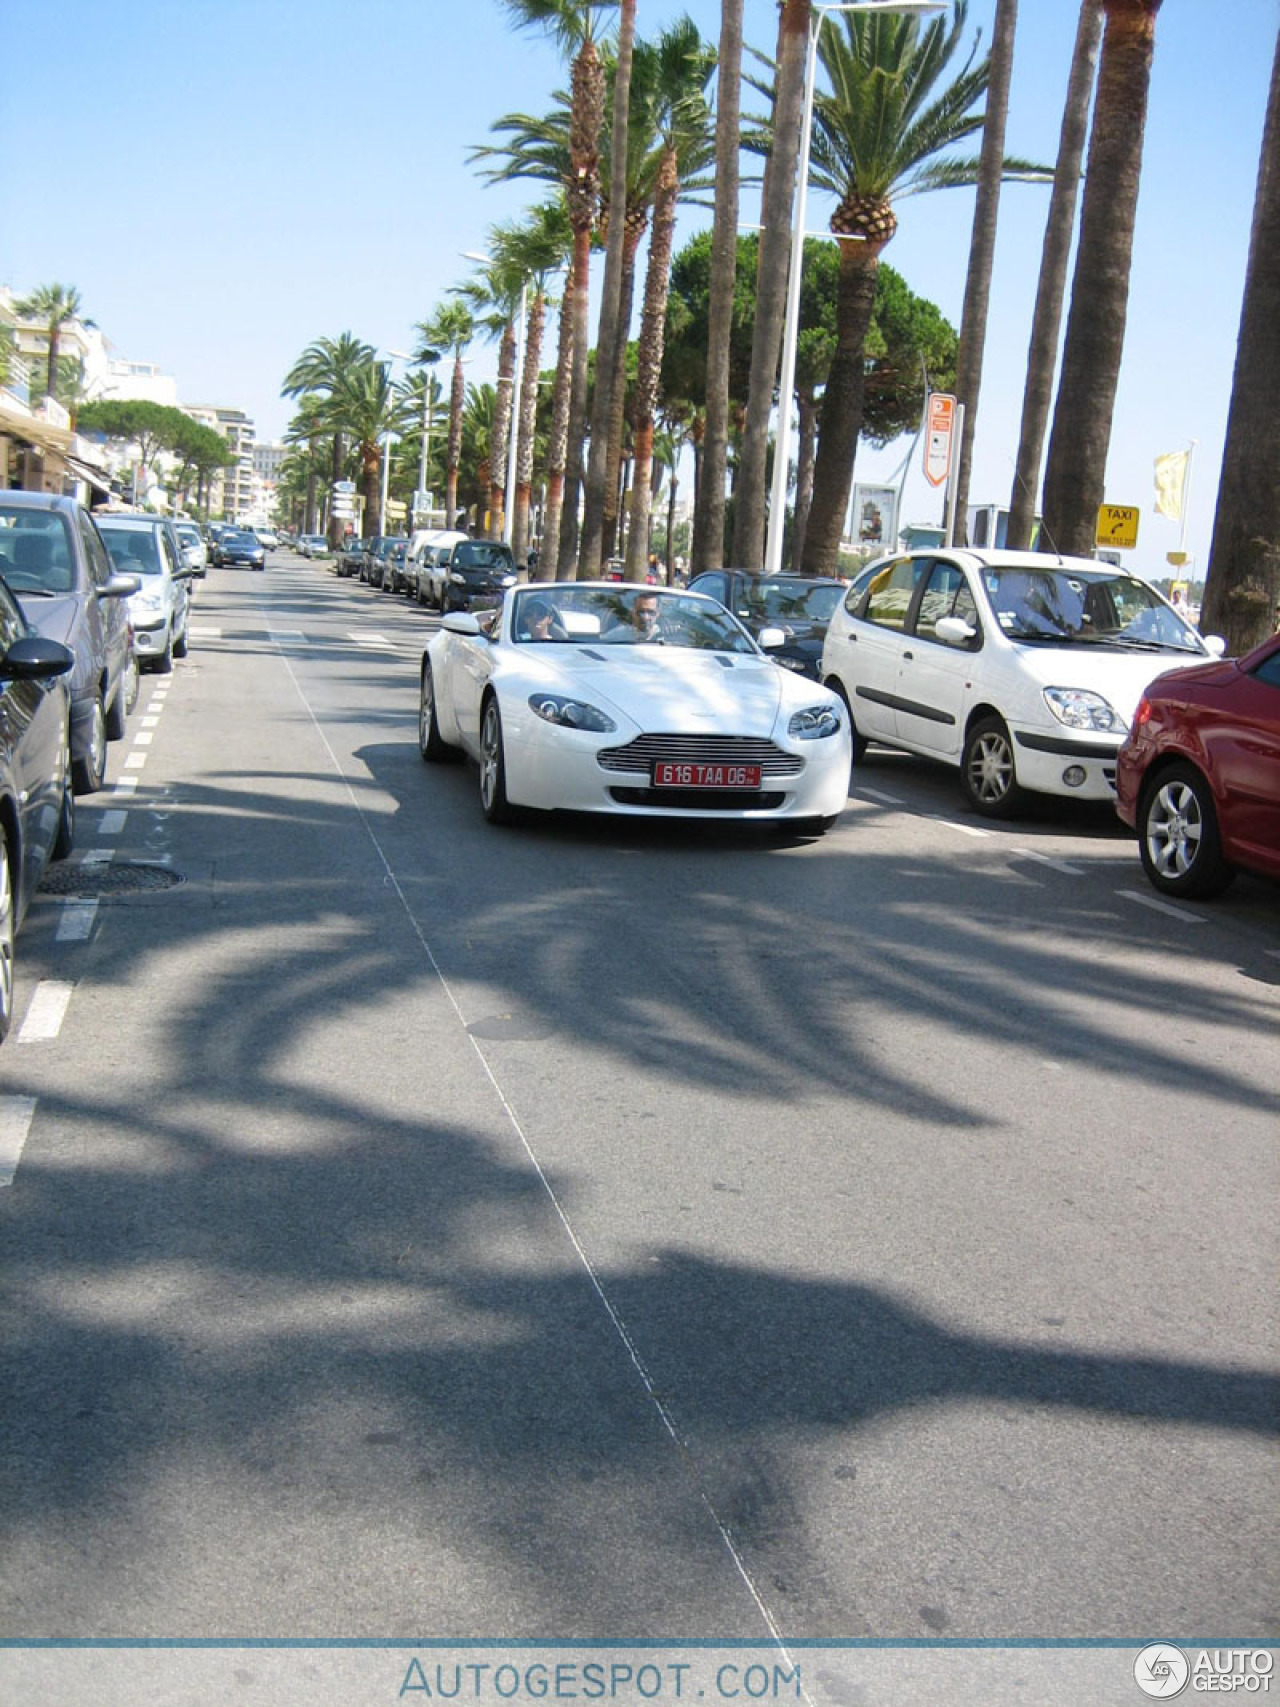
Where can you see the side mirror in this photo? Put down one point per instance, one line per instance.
(33, 658)
(955, 631)
(1216, 644)
(769, 639)
(119, 587)
(461, 622)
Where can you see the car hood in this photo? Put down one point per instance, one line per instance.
(671, 688)
(1214, 672)
(1119, 677)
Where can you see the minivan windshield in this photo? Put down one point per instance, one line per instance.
(1102, 607)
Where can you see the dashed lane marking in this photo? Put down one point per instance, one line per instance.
(15, 1122)
(76, 923)
(125, 785)
(883, 799)
(46, 1011)
(135, 761)
(200, 632)
(1044, 859)
(378, 640)
(1161, 906)
(144, 739)
(951, 824)
(111, 823)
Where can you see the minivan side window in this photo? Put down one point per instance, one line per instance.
(889, 595)
(946, 594)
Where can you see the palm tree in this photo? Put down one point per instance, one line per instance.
(1076, 468)
(982, 246)
(493, 297)
(1242, 593)
(449, 328)
(877, 137)
(573, 25)
(708, 533)
(1042, 351)
(370, 409)
(323, 368)
(53, 305)
(683, 67)
(304, 431)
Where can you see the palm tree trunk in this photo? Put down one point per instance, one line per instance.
(1042, 352)
(982, 247)
(841, 408)
(1242, 594)
(611, 327)
(527, 420)
(649, 361)
(750, 489)
(1075, 474)
(671, 525)
(335, 522)
(618, 413)
(51, 370)
(499, 436)
(457, 392)
(557, 449)
(579, 286)
(708, 527)
(808, 445)
(371, 481)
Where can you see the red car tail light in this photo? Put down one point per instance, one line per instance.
(1144, 712)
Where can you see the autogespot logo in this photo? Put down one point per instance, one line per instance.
(1161, 1670)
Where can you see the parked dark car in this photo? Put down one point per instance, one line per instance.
(389, 565)
(55, 563)
(349, 558)
(1198, 776)
(376, 548)
(800, 606)
(37, 807)
(472, 574)
(237, 546)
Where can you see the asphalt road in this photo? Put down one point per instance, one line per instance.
(598, 1230)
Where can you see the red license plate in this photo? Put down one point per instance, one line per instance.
(672, 775)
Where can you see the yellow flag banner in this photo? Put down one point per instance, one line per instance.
(1171, 483)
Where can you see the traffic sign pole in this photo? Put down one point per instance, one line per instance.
(953, 483)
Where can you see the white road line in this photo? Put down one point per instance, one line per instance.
(94, 856)
(202, 633)
(370, 639)
(951, 824)
(1161, 906)
(1043, 859)
(76, 922)
(279, 634)
(45, 1013)
(135, 761)
(15, 1123)
(143, 740)
(875, 794)
(111, 823)
(125, 785)
(150, 722)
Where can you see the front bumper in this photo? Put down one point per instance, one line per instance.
(1045, 761)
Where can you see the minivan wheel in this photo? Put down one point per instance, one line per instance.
(1178, 835)
(987, 770)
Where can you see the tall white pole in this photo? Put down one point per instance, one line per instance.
(1186, 494)
(386, 479)
(791, 325)
(953, 476)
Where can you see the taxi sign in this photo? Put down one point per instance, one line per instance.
(1117, 526)
(940, 426)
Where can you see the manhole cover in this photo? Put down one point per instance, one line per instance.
(106, 877)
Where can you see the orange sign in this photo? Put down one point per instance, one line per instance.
(939, 432)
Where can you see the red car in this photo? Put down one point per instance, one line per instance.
(1199, 775)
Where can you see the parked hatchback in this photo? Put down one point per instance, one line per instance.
(801, 607)
(472, 575)
(1199, 776)
(54, 561)
(1022, 670)
(148, 547)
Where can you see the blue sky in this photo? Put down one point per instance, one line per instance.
(225, 182)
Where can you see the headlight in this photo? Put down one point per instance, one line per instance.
(1081, 708)
(814, 723)
(790, 663)
(458, 580)
(148, 602)
(570, 713)
(508, 580)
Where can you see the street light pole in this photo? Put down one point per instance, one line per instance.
(791, 324)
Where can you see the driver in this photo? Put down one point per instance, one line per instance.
(640, 622)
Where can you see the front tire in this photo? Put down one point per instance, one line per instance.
(164, 661)
(180, 643)
(1178, 835)
(493, 768)
(65, 839)
(431, 744)
(7, 930)
(87, 773)
(987, 770)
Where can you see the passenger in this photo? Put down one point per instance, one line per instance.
(640, 622)
(539, 620)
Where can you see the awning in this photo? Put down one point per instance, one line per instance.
(98, 478)
(43, 434)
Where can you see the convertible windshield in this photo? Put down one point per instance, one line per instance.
(600, 616)
(1088, 607)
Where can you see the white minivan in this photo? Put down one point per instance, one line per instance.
(1022, 669)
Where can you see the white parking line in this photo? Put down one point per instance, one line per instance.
(135, 761)
(875, 794)
(46, 1010)
(951, 824)
(378, 640)
(1161, 906)
(111, 823)
(125, 785)
(1057, 864)
(15, 1123)
(202, 633)
(94, 856)
(76, 922)
(143, 740)
(151, 722)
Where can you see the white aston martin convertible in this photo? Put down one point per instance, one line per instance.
(600, 697)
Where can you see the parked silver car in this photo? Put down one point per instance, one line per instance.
(54, 561)
(149, 547)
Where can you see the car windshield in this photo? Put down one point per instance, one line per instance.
(35, 551)
(236, 537)
(189, 536)
(587, 616)
(1102, 607)
(478, 554)
(133, 550)
(783, 600)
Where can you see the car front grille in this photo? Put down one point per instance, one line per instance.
(699, 799)
(648, 750)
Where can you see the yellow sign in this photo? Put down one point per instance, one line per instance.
(1117, 526)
